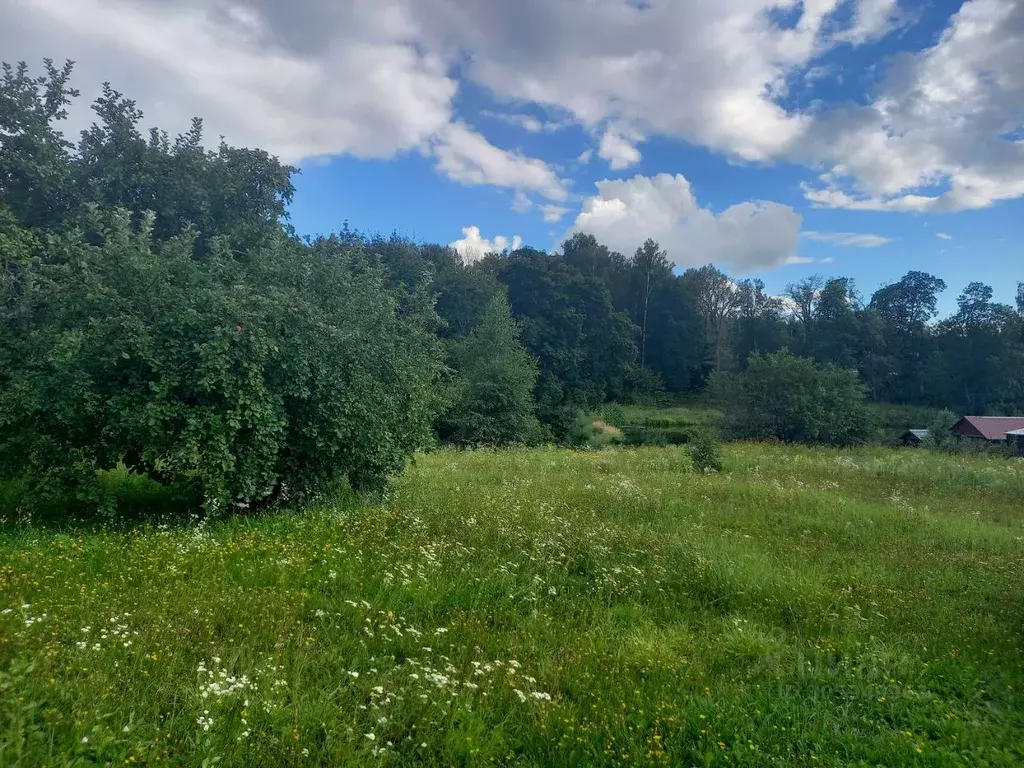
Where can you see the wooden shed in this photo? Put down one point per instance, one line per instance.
(1016, 439)
(913, 437)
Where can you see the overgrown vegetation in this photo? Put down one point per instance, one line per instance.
(157, 312)
(780, 396)
(539, 607)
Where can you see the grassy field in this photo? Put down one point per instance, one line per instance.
(545, 607)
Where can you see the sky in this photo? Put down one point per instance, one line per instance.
(774, 138)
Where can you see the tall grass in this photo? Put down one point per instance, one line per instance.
(539, 607)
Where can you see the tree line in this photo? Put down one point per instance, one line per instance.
(158, 310)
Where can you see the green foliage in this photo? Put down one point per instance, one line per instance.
(784, 397)
(705, 451)
(585, 347)
(614, 414)
(940, 431)
(250, 382)
(492, 402)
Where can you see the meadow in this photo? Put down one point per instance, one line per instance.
(536, 607)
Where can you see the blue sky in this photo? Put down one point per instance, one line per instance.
(776, 138)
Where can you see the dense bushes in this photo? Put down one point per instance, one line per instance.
(249, 382)
(780, 396)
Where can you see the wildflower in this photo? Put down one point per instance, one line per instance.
(305, 753)
(85, 739)
(352, 674)
(371, 736)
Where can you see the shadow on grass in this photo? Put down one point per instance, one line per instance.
(139, 501)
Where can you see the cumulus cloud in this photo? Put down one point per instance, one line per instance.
(745, 237)
(943, 236)
(367, 91)
(618, 150)
(871, 19)
(851, 239)
(945, 132)
(372, 78)
(467, 157)
(553, 213)
(473, 246)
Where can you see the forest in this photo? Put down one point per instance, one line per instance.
(160, 311)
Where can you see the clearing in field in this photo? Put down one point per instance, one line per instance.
(540, 607)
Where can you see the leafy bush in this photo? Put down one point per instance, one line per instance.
(940, 432)
(705, 451)
(784, 397)
(614, 414)
(251, 382)
(495, 377)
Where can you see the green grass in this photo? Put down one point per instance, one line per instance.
(803, 607)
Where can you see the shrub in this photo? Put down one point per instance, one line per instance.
(780, 396)
(250, 380)
(495, 377)
(615, 415)
(940, 432)
(705, 451)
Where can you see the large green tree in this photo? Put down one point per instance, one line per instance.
(494, 378)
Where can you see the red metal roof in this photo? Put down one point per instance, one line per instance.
(988, 427)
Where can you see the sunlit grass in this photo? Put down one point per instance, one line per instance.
(539, 607)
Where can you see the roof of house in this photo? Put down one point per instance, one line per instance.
(1015, 433)
(988, 427)
(920, 434)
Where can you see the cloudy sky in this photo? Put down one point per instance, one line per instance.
(775, 138)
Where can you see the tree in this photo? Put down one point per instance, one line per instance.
(716, 298)
(909, 303)
(804, 296)
(759, 325)
(584, 347)
(35, 171)
(649, 268)
(492, 402)
(236, 194)
(251, 381)
(780, 396)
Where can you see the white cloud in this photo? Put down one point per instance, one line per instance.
(372, 78)
(367, 91)
(526, 122)
(553, 213)
(745, 237)
(851, 239)
(943, 236)
(944, 134)
(585, 156)
(473, 246)
(467, 157)
(872, 19)
(618, 150)
(522, 202)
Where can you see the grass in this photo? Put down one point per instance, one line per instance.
(540, 607)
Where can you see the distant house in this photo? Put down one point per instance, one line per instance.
(1016, 438)
(913, 437)
(991, 428)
